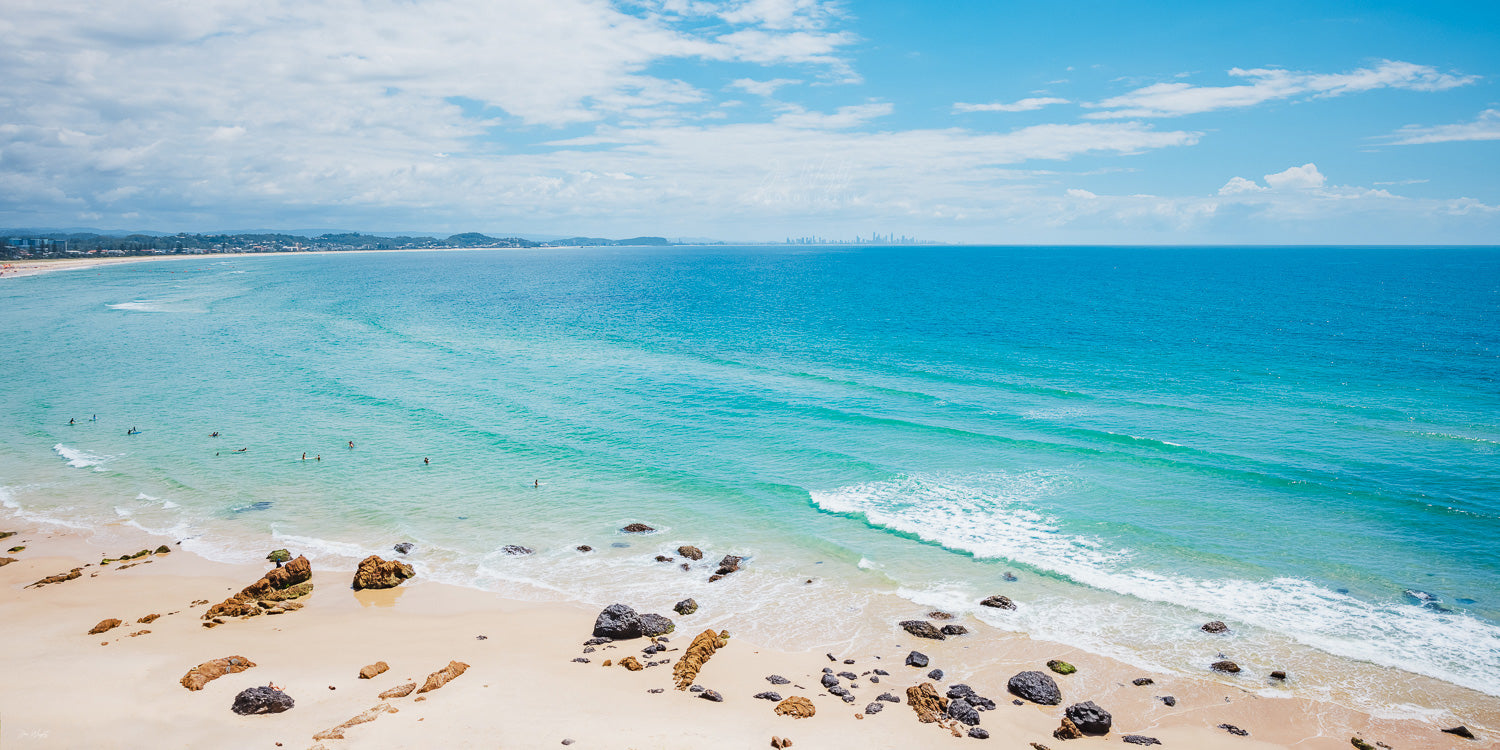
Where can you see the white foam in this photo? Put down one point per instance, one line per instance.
(989, 517)
(80, 459)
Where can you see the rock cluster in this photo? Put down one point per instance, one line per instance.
(1234, 730)
(729, 564)
(924, 699)
(698, 652)
(289, 581)
(1136, 739)
(261, 700)
(209, 671)
(796, 707)
(1037, 687)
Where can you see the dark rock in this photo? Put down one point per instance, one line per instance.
(651, 650)
(938, 614)
(829, 681)
(874, 679)
(831, 657)
(1225, 666)
(1360, 744)
(922, 629)
(1278, 675)
(848, 661)
(1136, 739)
(637, 528)
(581, 660)
(849, 676)
(663, 558)
(888, 698)
(978, 733)
(1214, 627)
(685, 607)
(916, 659)
(516, 550)
(1461, 731)
(999, 602)
(1037, 687)
(695, 689)
(1089, 717)
(838, 690)
(848, 698)
(584, 548)
(981, 703)
(567, 742)
(827, 670)
(1234, 730)
(960, 690)
(653, 625)
(405, 548)
(777, 679)
(1061, 667)
(261, 700)
(690, 552)
(874, 708)
(882, 673)
(655, 690)
(1018, 703)
(1142, 681)
(961, 710)
(936, 674)
(597, 641)
(711, 695)
(769, 695)
(955, 630)
(618, 621)
(1169, 700)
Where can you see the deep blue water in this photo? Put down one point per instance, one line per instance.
(1287, 439)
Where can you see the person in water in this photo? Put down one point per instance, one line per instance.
(70, 421)
(242, 450)
(304, 456)
(426, 462)
(351, 443)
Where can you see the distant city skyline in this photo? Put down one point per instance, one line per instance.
(761, 120)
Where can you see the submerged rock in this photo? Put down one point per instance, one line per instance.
(1089, 718)
(261, 700)
(617, 621)
(516, 550)
(729, 564)
(584, 548)
(376, 573)
(637, 528)
(922, 629)
(1225, 666)
(1278, 675)
(1037, 687)
(405, 548)
(1215, 627)
(999, 602)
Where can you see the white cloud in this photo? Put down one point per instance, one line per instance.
(1024, 105)
(1240, 185)
(763, 88)
(845, 117)
(1484, 128)
(1076, 193)
(1296, 178)
(1268, 84)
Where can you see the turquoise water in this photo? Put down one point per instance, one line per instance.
(1285, 439)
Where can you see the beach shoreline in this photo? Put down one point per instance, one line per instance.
(127, 685)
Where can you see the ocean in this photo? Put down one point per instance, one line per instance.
(1301, 442)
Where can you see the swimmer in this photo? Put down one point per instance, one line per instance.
(319, 457)
(304, 456)
(536, 483)
(351, 443)
(213, 434)
(71, 422)
(426, 462)
(242, 450)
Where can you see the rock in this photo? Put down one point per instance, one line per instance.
(148, 619)
(375, 573)
(936, 674)
(598, 641)
(369, 672)
(1089, 718)
(1461, 731)
(874, 708)
(961, 710)
(567, 741)
(631, 664)
(399, 692)
(922, 629)
(337, 733)
(796, 707)
(955, 630)
(769, 695)
(916, 659)
(696, 689)
(690, 552)
(979, 733)
(1360, 744)
(1225, 666)
(279, 557)
(584, 548)
(829, 681)
(405, 548)
(261, 700)
(209, 671)
(874, 679)
(1214, 627)
(617, 621)
(653, 625)
(59, 578)
(848, 676)
(685, 607)
(1278, 675)
(938, 614)
(1142, 681)
(104, 625)
(1234, 730)
(1038, 746)
(729, 564)
(999, 602)
(663, 558)
(637, 528)
(162, 550)
(697, 654)
(711, 695)
(4, 561)
(887, 697)
(960, 690)
(777, 679)
(882, 672)
(1067, 731)
(1061, 667)
(1037, 687)
(443, 676)
(1136, 739)
(924, 699)
(580, 660)
(1169, 700)
(516, 550)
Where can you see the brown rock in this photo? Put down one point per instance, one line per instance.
(148, 619)
(4, 561)
(938, 614)
(375, 573)
(1225, 666)
(337, 733)
(698, 652)
(208, 671)
(796, 707)
(690, 552)
(288, 581)
(924, 699)
(637, 528)
(104, 625)
(1039, 746)
(1214, 627)
(631, 664)
(400, 691)
(1068, 730)
(59, 578)
(371, 671)
(442, 676)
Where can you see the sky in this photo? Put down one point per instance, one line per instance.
(986, 121)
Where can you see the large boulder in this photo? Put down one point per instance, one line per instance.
(686, 607)
(1215, 627)
(1226, 666)
(1037, 687)
(637, 528)
(653, 625)
(924, 699)
(1090, 718)
(690, 552)
(375, 573)
(261, 700)
(617, 621)
(922, 629)
(999, 602)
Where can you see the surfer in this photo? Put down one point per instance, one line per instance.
(213, 434)
(241, 450)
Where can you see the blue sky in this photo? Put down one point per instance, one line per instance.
(1007, 122)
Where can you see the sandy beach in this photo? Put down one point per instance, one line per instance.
(524, 686)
